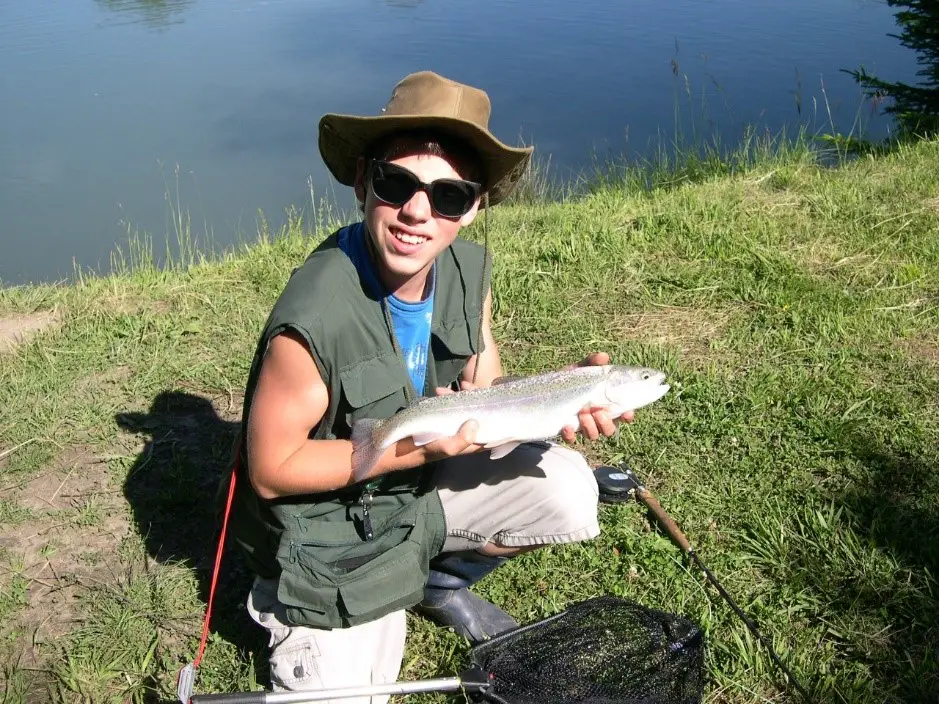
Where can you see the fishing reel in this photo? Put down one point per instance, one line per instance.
(617, 484)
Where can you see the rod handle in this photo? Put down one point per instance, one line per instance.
(233, 698)
(670, 527)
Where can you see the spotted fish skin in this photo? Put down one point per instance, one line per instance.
(510, 413)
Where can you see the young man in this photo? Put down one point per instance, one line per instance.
(382, 312)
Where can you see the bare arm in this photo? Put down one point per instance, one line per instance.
(490, 364)
(289, 401)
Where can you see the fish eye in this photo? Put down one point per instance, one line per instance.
(645, 376)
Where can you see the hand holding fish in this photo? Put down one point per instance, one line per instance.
(460, 444)
(594, 421)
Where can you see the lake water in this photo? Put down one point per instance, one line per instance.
(115, 113)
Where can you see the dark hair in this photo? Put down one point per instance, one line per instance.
(426, 141)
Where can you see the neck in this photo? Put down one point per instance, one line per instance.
(411, 289)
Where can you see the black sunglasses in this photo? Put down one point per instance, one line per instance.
(450, 197)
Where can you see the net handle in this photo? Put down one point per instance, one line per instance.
(448, 684)
(473, 680)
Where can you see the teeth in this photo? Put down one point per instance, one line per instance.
(410, 239)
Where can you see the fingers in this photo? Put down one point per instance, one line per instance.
(464, 442)
(588, 424)
(604, 423)
(594, 359)
(467, 432)
(459, 443)
(464, 386)
(594, 422)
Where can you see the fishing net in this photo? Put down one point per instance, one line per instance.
(605, 650)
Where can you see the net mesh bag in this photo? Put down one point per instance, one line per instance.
(605, 650)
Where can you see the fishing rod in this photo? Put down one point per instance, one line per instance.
(620, 484)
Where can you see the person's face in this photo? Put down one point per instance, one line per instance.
(409, 237)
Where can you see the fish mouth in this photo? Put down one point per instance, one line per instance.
(654, 379)
(638, 392)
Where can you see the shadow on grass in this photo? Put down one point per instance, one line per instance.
(171, 490)
(858, 567)
(896, 507)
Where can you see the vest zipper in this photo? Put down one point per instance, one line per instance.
(366, 501)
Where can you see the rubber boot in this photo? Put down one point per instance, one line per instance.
(449, 602)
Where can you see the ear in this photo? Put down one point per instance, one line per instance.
(359, 184)
(467, 219)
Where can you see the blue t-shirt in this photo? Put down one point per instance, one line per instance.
(411, 321)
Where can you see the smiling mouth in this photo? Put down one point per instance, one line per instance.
(408, 239)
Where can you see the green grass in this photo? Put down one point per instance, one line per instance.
(793, 306)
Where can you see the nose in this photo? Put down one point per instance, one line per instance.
(418, 208)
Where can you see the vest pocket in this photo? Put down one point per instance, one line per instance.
(394, 581)
(375, 387)
(328, 581)
(452, 346)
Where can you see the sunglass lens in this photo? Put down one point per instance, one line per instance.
(393, 185)
(452, 199)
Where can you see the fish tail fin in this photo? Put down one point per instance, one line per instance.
(366, 446)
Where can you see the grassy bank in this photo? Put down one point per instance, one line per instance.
(794, 308)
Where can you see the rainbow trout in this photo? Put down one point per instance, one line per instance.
(511, 412)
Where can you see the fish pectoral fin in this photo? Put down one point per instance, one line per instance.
(500, 450)
(425, 438)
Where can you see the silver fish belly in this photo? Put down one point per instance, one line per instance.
(530, 408)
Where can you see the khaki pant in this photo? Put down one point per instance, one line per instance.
(539, 494)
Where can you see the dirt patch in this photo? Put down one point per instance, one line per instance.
(133, 304)
(690, 329)
(105, 384)
(98, 514)
(767, 193)
(922, 349)
(76, 522)
(819, 254)
(17, 329)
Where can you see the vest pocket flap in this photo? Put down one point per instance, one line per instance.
(372, 380)
(455, 338)
(297, 591)
(374, 584)
(398, 580)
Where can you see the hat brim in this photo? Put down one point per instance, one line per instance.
(344, 138)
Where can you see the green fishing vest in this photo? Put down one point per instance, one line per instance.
(331, 575)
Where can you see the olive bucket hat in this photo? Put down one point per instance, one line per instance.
(426, 100)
